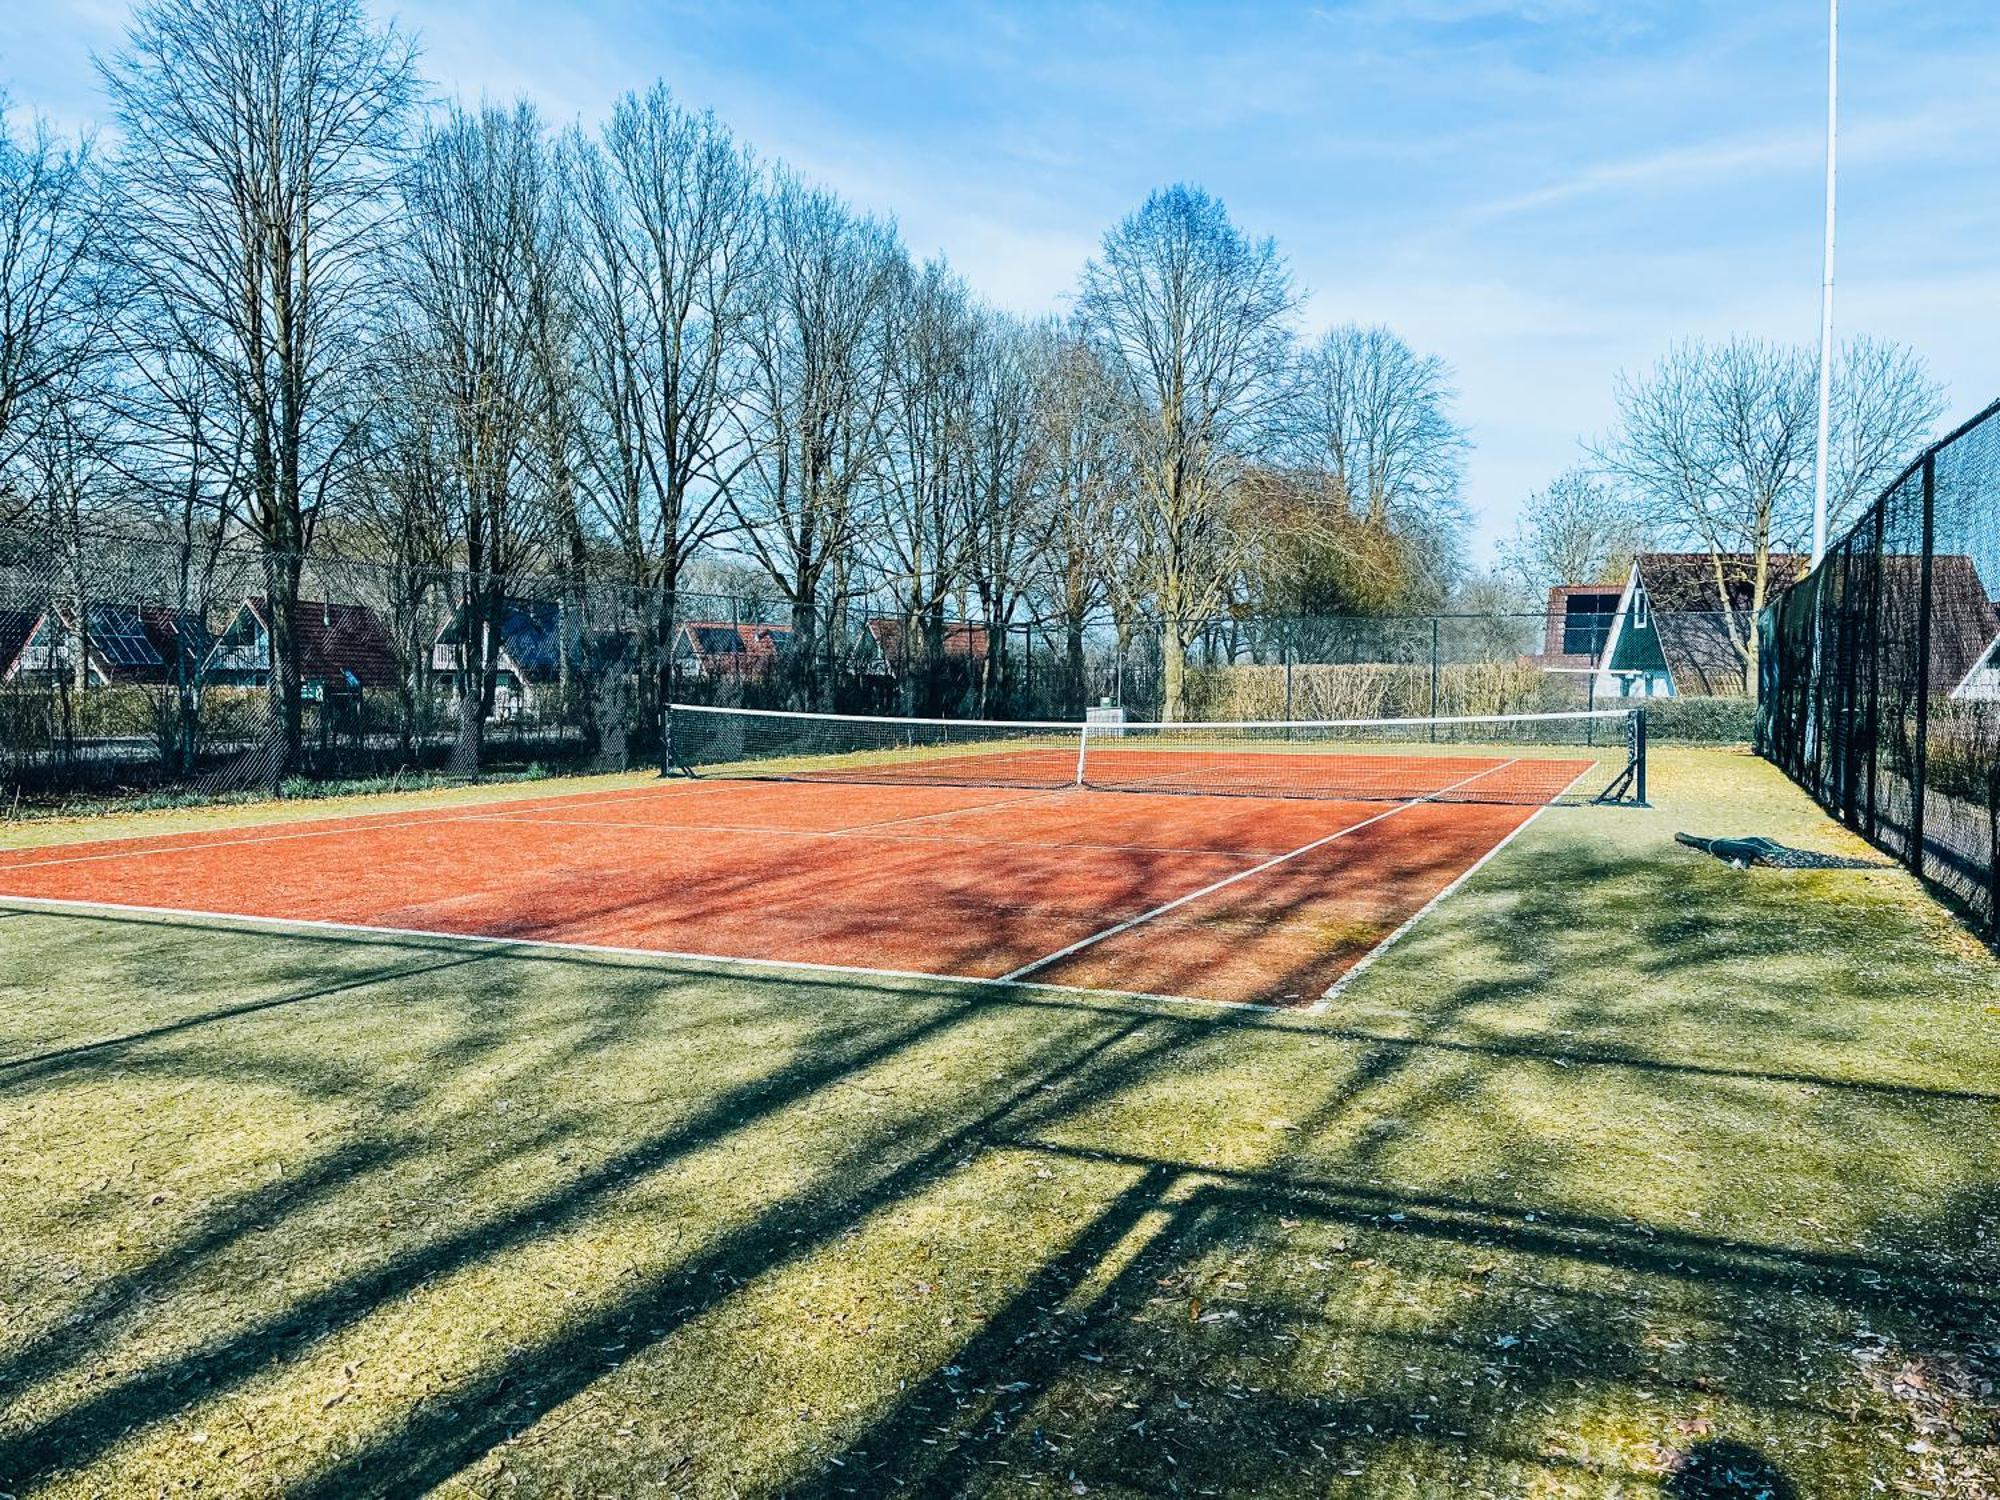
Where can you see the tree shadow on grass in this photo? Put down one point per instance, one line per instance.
(88, 1427)
(1319, 1319)
(1725, 1470)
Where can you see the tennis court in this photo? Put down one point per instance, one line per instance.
(1255, 863)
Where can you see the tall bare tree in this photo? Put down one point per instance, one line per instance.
(924, 537)
(816, 405)
(257, 142)
(673, 237)
(1377, 416)
(50, 302)
(1193, 320)
(480, 203)
(1716, 443)
(1012, 364)
(1085, 482)
(1578, 530)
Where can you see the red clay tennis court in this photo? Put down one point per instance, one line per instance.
(978, 860)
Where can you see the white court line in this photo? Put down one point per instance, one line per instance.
(605, 950)
(1229, 880)
(529, 815)
(1027, 795)
(1356, 790)
(306, 828)
(866, 831)
(1367, 959)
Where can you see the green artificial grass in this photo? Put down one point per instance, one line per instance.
(1624, 1173)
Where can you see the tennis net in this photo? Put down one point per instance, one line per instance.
(1532, 759)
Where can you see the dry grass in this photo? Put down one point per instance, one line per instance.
(1624, 1173)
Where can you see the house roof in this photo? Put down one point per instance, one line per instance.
(1964, 617)
(1696, 634)
(531, 635)
(714, 641)
(1686, 580)
(16, 626)
(338, 641)
(125, 642)
(963, 639)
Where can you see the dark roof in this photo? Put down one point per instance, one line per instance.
(16, 626)
(125, 642)
(1686, 580)
(715, 642)
(1558, 621)
(1695, 631)
(338, 642)
(1964, 617)
(733, 650)
(531, 635)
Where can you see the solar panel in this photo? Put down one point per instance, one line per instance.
(119, 636)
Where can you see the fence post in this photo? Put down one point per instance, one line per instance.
(1286, 649)
(1875, 676)
(1436, 643)
(1921, 760)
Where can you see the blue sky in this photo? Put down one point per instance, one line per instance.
(1544, 192)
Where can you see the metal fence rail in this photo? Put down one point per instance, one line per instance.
(1881, 672)
(135, 663)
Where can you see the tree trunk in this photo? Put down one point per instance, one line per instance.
(935, 666)
(664, 628)
(282, 570)
(1078, 692)
(1173, 670)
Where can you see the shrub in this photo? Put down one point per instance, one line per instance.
(1701, 721)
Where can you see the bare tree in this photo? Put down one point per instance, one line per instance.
(1578, 530)
(1010, 369)
(1377, 414)
(479, 200)
(181, 449)
(1192, 319)
(1886, 406)
(1716, 443)
(816, 405)
(672, 232)
(402, 495)
(925, 536)
(257, 140)
(1084, 484)
(50, 308)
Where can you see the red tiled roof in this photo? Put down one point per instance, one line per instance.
(963, 639)
(337, 640)
(739, 650)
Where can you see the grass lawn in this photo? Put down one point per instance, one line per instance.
(1623, 1174)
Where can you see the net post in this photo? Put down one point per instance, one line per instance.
(1639, 756)
(1436, 669)
(1082, 749)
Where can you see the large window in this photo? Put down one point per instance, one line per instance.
(1587, 623)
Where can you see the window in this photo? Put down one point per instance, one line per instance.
(1587, 623)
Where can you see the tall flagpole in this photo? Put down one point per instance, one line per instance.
(1826, 284)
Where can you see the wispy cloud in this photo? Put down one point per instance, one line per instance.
(1541, 191)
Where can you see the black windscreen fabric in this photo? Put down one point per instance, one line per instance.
(1879, 689)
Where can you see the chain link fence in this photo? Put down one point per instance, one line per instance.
(1881, 672)
(130, 665)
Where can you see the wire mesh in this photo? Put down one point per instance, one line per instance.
(1881, 672)
(140, 663)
